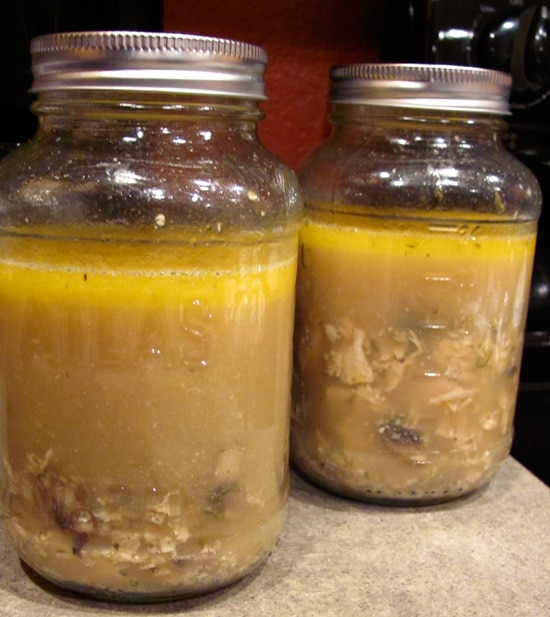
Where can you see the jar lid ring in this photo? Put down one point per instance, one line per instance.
(148, 61)
(422, 86)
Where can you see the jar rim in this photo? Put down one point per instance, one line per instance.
(148, 61)
(422, 86)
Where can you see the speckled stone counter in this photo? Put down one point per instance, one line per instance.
(487, 555)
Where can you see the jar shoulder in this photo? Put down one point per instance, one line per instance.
(444, 173)
(199, 180)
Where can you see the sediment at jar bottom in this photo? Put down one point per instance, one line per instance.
(145, 411)
(407, 352)
(206, 565)
(422, 487)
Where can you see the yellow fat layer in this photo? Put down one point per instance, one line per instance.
(121, 273)
(419, 238)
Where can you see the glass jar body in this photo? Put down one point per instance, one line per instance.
(147, 264)
(413, 278)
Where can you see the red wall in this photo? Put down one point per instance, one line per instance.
(303, 38)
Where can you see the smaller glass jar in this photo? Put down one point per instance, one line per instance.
(148, 248)
(413, 278)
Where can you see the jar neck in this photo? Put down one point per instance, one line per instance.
(64, 109)
(348, 120)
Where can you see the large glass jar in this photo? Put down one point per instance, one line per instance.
(413, 277)
(148, 249)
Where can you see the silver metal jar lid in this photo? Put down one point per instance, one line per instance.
(148, 61)
(422, 86)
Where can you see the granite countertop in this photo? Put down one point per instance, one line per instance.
(487, 555)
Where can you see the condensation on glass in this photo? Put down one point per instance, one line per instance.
(148, 248)
(413, 278)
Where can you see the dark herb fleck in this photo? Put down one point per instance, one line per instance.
(79, 543)
(217, 501)
(394, 433)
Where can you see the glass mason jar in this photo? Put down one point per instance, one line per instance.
(148, 248)
(413, 277)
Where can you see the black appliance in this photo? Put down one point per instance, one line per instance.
(511, 36)
(21, 20)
